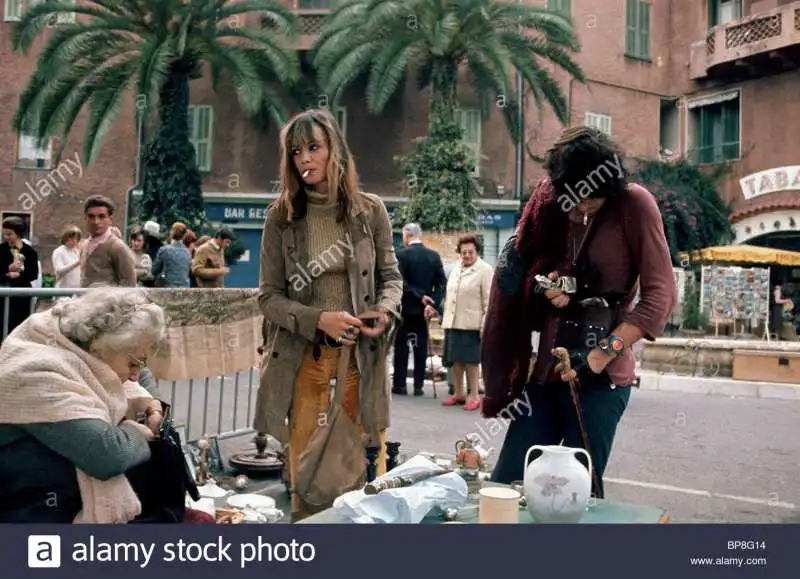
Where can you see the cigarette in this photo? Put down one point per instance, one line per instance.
(306, 173)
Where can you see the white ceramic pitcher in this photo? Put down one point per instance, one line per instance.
(557, 486)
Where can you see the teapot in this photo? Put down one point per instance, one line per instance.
(557, 485)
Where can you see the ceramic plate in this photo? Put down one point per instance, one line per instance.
(251, 501)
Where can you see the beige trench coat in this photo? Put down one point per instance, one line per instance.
(290, 324)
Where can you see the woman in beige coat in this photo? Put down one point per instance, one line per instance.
(327, 257)
(466, 302)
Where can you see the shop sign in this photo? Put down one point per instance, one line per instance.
(236, 212)
(770, 181)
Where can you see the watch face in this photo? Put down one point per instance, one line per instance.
(617, 345)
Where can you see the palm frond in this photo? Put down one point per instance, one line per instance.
(121, 45)
(105, 104)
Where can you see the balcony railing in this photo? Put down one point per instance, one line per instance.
(763, 33)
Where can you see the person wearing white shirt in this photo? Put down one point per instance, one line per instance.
(37, 283)
(67, 259)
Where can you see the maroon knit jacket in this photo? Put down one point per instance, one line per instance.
(512, 316)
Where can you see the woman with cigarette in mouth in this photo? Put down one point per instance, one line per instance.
(327, 259)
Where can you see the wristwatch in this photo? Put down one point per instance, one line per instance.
(612, 345)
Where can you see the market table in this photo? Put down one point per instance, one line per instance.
(603, 512)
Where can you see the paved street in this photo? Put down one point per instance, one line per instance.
(704, 458)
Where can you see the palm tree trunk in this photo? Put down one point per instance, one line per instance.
(444, 102)
(173, 186)
(174, 97)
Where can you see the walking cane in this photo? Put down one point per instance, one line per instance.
(430, 357)
(562, 355)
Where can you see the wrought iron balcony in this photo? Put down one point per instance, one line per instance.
(312, 19)
(759, 43)
(311, 22)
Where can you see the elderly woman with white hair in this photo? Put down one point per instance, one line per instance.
(69, 433)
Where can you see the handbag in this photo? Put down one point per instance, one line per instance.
(162, 482)
(333, 462)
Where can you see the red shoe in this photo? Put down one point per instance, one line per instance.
(454, 401)
(472, 405)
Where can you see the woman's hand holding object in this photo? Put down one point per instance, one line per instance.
(340, 326)
(382, 322)
(557, 297)
(143, 430)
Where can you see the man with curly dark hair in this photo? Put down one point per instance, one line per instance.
(586, 241)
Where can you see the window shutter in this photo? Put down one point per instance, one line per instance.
(713, 13)
(644, 29)
(630, 26)
(201, 123)
(730, 117)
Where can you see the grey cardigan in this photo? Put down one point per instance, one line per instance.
(38, 481)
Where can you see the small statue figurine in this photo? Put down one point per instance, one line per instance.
(202, 468)
(468, 457)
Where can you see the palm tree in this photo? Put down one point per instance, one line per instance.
(437, 37)
(152, 47)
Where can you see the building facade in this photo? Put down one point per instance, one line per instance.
(713, 80)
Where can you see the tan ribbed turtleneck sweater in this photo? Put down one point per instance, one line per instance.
(327, 248)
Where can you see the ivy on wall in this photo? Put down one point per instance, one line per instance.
(694, 214)
(440, 182)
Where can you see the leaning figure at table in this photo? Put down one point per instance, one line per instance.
(608, 235)
(79, 410)
(327, 256)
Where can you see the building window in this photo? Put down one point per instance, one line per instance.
(314, 4)
(715, 128)
(65, 18)
(562, 6)
(201, 123)
(637, 27)
(27, 220)
(12, 10)
(723, 11)
(340, 113)
(599, 122)
(31, 156)
(470, 120)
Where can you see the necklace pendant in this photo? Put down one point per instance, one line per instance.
(585, 219)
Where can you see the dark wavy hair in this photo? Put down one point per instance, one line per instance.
(586, 154)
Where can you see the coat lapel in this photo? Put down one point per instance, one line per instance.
(297, 269)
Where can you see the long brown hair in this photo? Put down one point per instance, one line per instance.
(341, 172)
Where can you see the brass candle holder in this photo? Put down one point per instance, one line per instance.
(201, 477)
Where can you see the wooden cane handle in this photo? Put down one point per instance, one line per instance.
(562, 355)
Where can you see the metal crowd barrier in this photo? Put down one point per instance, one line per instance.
(221, 406)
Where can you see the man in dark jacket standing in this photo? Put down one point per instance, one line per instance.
(424, 284)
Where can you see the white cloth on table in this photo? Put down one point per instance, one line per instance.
(405, 505)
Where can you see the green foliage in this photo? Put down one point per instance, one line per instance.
(691, 207)
(125, 45)
(692, 316)
(234, 251)
(48, 280)
(440, 182)
(489, 39)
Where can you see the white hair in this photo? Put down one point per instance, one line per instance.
(111, 319)
(413, 229)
